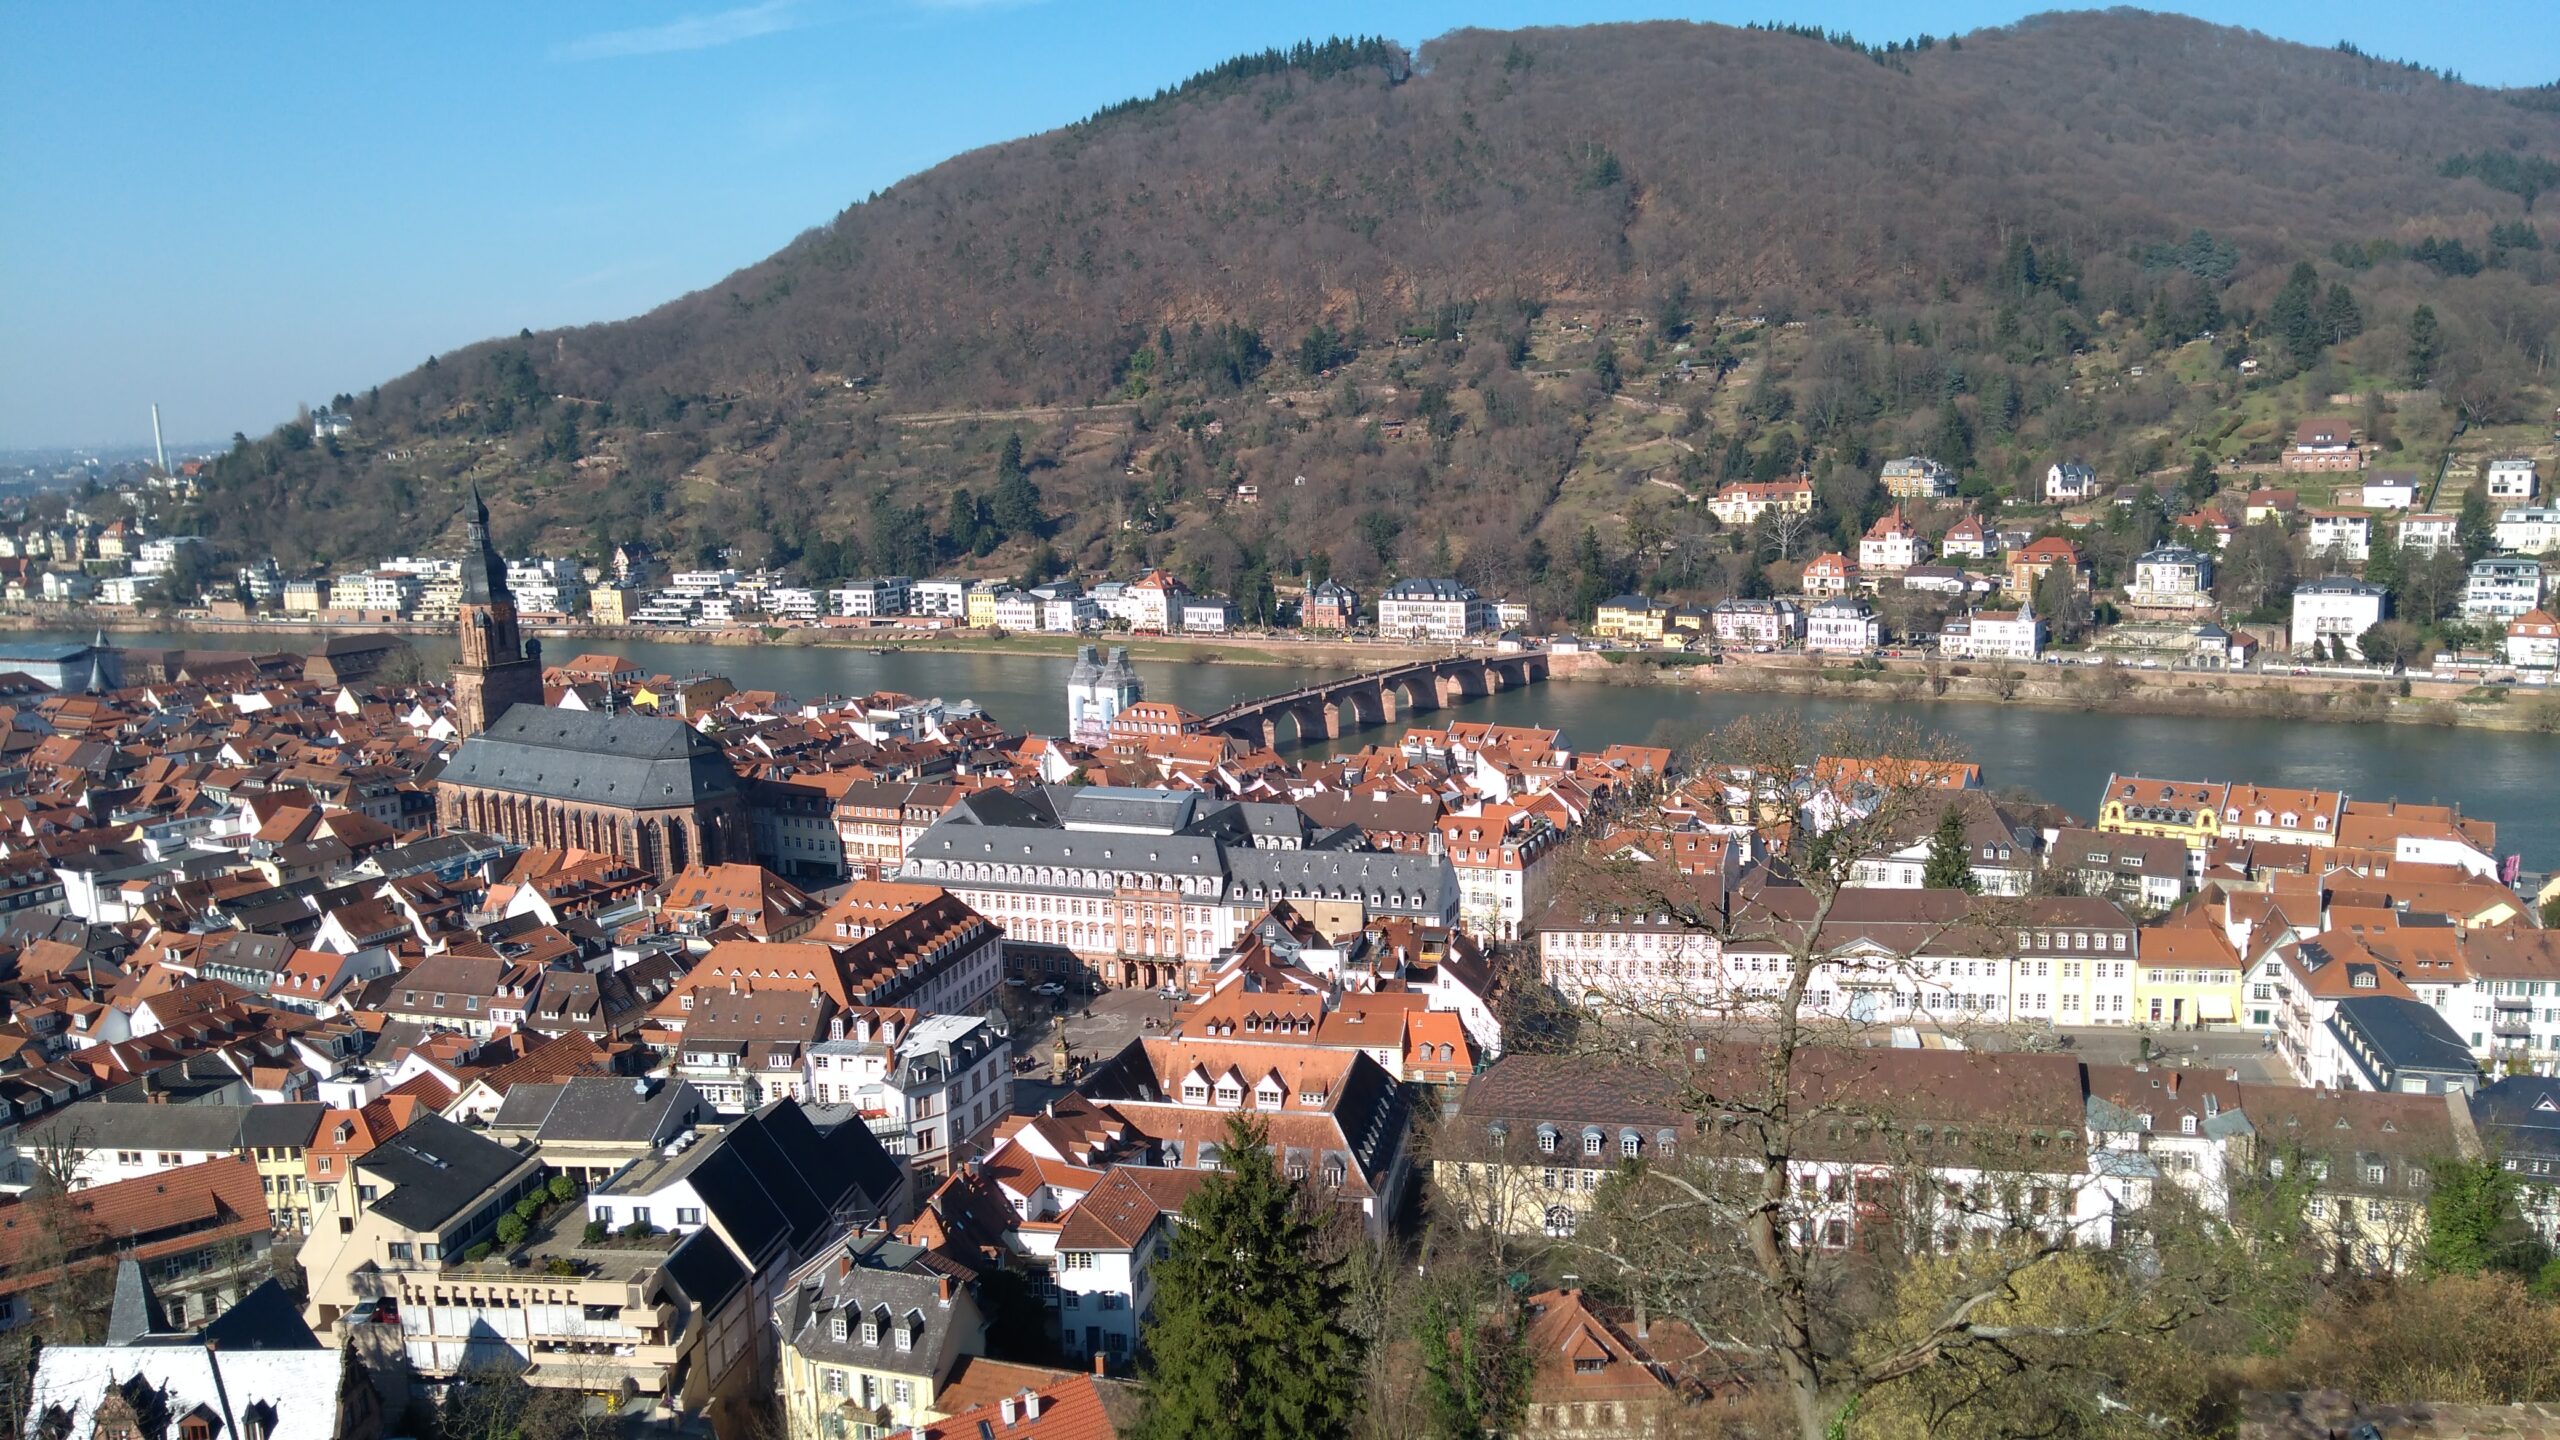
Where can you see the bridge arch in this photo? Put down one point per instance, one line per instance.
(1462, 680)
(1416, 690)
(1355, 707)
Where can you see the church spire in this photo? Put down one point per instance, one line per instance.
(484, 574)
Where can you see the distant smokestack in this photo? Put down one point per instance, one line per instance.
(158, 449)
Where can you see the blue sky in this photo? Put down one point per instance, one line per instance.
(230, 209)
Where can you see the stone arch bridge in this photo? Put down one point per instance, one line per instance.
(1381, 697)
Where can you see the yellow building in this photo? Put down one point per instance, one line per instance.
(871, 1336)
(2365, 1156)
(277, 1138)
(2186, 975)
(1629, 617)
(982, 603)
(610, 605)
(2187, 811)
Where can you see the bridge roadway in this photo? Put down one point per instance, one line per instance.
(1379, 697)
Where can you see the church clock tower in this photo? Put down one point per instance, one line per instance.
(498, 667)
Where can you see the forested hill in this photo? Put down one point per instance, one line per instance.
(1993, 203)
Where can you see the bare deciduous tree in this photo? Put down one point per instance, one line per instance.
(1794, 1159)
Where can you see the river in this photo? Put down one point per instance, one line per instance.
(2063, 756)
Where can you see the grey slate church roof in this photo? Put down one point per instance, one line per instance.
(639, 762)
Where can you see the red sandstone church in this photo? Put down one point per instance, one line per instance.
(650, 789)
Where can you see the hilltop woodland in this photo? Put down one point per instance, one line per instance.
(1508, 307)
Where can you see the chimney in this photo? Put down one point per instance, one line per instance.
(2173, 1082)
(1097, 1362)
(1030, 1404)
(942, 1289)
(844, 1264)
(1010, 1408)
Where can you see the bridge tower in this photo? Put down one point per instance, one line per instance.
(1098, 690)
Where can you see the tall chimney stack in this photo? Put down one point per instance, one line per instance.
(158, 449)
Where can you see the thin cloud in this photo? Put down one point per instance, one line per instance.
(614, 274)
(692, 32)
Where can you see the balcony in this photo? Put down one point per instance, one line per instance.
(2517, 1025)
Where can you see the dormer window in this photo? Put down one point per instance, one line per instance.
(1591, 1142)
(836, 1327)
(870, 1332)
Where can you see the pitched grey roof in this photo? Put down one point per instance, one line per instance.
(1124, 807)
(890, 1284)
(644, 762)
(1216, 841)
(97, 1125)
(2403, 1035)
(283, 1127)
(1398, 884)
(267, 954)
(436, 1169)
(1426, 588)
(264, 1319)
(772, 1176)
(2520, 1116)
(596, 1108)
(135, 1310)
(1084, 850)
(703, 1270)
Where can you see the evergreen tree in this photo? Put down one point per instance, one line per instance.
(1014, 507)
(2340, 320)
(2422, 345)
(1950, 857)
(2295, 314)
(2201, 481)
(1953, 443)
(2471, 525)
(1246, 1341)
(961, 520)
(1476, 1369)
(1321, 350)
(2384, 565)
(1604, 368)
